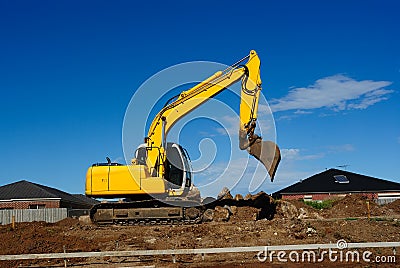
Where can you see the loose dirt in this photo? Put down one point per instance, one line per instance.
(293, 223)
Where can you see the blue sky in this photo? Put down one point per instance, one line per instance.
(68, 70)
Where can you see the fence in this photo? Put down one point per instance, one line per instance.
(29, 215)
(340, 245)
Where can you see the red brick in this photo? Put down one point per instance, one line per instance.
(25, 204)
(326, 196)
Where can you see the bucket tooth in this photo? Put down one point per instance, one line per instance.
(268, 153)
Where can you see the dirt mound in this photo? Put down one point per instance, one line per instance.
(67, 222)
(394, 206)
(240, 230)
(350, 206)
(253, 207)
(353, 206)
(42, 237)
(241, 214)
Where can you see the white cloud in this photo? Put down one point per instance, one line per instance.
(290, 153)
(295, 154)
(341, 148)
(302, 112)
(337, 92)
(286, 117)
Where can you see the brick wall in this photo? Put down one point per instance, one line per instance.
(26, 204)
(326, 196)
(292, 196)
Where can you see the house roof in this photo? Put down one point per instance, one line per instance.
(86, 199)
(29, 190)
(325, 182)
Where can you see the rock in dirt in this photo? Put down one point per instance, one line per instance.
(151, 240)
(310, 231)
(234, 209)
(287, 210)
(303, 213)
(221, 214)
(85, 219)
(192, 213)
(208, 215)
(238, 197)
(194, 194)
(298, 229)
(225, 194)
(247, 196)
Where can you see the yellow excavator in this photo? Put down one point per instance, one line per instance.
(154, 186)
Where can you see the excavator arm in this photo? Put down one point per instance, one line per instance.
(266, 152)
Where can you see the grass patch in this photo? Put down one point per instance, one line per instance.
(320, 204)
(350, 219)
(378, 219)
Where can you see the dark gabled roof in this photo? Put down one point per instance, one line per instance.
(86, 199)
(325, 182)
(24, 190)
(29, 190)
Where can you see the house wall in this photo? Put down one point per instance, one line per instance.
(75, 205)
(385, 198)
(325, 196)
(25, 204)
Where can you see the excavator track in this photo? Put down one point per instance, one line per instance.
(147, 212)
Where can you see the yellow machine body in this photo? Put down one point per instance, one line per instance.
(121, 181)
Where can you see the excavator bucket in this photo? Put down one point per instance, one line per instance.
(268, 153)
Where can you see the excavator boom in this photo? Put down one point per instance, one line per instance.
(266, 152)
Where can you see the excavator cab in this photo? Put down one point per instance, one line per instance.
(178, 173)
(141, 155)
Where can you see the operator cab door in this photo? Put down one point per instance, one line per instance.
(177, 171)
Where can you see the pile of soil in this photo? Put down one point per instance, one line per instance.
(241, 214)
(42, 237)
(293, 223)
(354, 206)
(394, 207)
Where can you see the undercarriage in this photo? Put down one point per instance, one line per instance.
(147, 212)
